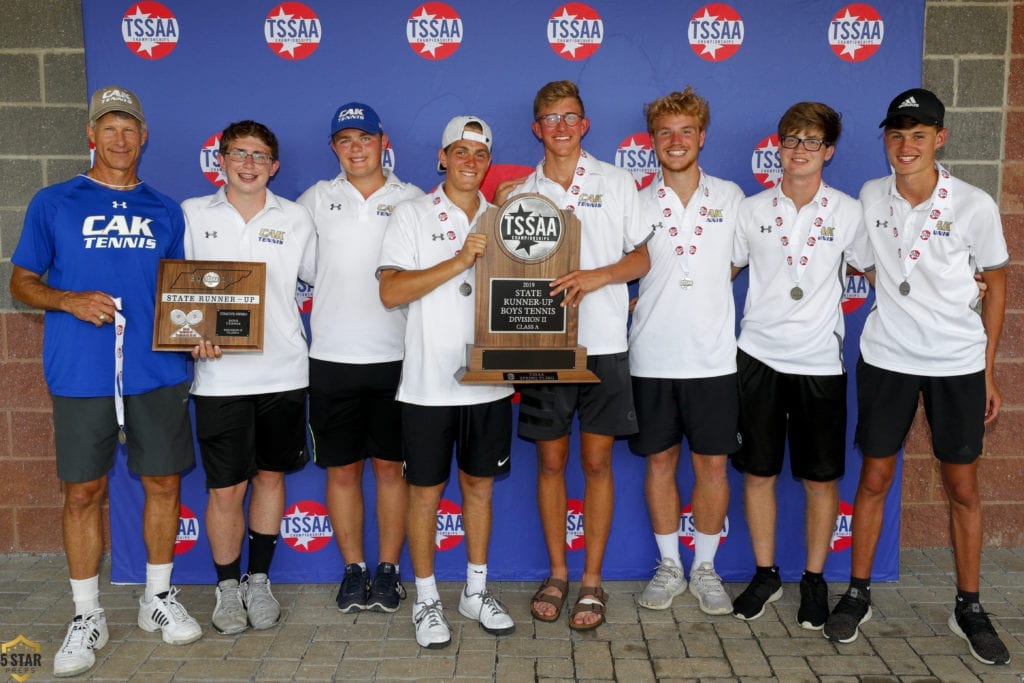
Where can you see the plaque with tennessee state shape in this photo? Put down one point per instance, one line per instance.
(522, 334)
(221, 301)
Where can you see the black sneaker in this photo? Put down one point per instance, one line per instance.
(971, 623)
(355, 587)
(853, 609)
(813, 610)
(765, 587)
(386, 590)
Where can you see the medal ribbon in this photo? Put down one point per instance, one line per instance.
(443, 217)
(119, 326)
(675, 239)
(942, 201)
(797, 268)
(581, 176)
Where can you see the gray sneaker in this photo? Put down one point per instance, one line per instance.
(229, 613)
(668, 582)
(706, 586)
(260, 604)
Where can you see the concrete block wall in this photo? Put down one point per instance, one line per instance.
(974, 60)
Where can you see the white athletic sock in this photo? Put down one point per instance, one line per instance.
(86, 594)
(668, 546)
(706, 545)
(158, 579)
(362, 565)
(426, 589)
(476, 578)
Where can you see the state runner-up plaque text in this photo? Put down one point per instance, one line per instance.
(522, 334)
(217, 300)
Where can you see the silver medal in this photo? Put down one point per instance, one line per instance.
(121, 436)
(796, 293)
(686, 282)
(904, 288)
(465, 289)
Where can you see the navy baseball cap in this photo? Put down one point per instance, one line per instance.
(356, 115)
(919, 104)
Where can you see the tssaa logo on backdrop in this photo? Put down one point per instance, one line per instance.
(688, 532)
(434, 30)
(188, 531)
(575, 31)
(209, 161)
(292, 31)
(856, 292)
(574, 539)
(304, 297)
(856, 32)
(450, 531)
(842, 535)
(716, 32)
(636, 155)
(306, 527)
(765, 163)
(150, 30)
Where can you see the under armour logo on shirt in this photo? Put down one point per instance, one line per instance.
(766, 228)
(211, 233)
(123, 205)
(336, 207)
(881, 224)
(436, 236)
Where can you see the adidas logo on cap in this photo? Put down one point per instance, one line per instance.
(909, 102)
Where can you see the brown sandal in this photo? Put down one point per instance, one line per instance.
(590, 599)
(557, 601)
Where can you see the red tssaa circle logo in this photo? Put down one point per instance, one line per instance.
(575, 31)
(688, 532)
(636, 155)
(306, 527)
(292, 31)
(304, 297)
(188, 531)
(209, 161)
(434, 30)
(716, 32)
(855, 32)
(150, 30)
(765, 162)
(842, 535)
(856, 292)
(574, 539)
(450, 531)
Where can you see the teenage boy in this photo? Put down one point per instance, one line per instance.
(427, 263)
(797, 238)
(251, 407)
(682, 348)
(355, 360)
(930, 233)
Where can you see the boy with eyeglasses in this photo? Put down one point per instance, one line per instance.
(251, 407)
(930, 233)
(796, 238)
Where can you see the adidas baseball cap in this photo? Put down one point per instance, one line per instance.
(919, 104)
(356, 115)
(115, 98)
(456, 130)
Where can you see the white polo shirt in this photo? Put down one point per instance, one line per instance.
(805, 336)
(685, 317)
(421, 233)
(283, 236)
(349, 324)
(607, 204)
(932, 331)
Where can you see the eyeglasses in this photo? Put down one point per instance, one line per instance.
(551, 120)
(240, 157)
(810, 144)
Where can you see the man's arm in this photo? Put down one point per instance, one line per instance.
(399, 287)
(27, 287)
(993, 310)
(578, 283)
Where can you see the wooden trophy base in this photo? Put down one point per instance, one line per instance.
(489, 365)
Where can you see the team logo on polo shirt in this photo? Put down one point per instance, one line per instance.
(304, 297)
(530, 227)
(856, 32)
(856, 292)
(716, 32)
(636, 155)
(574, 539)
(188, 531)
(450, 531)
(150, 30)
(292, 31)
(842, 535)
(209, 162)
(434, 30)
(306, 527)
(765, 161)
(688, 532)
(575, 31)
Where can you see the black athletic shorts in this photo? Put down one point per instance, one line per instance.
(705, 410)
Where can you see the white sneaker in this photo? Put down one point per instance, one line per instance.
(169, 616)
(706, 586)
(86, 633)
(261, 606)
(668, 582)
(229, 615)
(432, 629)
(488, 610)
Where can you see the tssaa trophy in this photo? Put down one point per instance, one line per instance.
(523, 335)
(219, 301)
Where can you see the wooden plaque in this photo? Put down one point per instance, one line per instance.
(217, 300)
(522, 334)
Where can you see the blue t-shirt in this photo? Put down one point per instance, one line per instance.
(91, 238)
